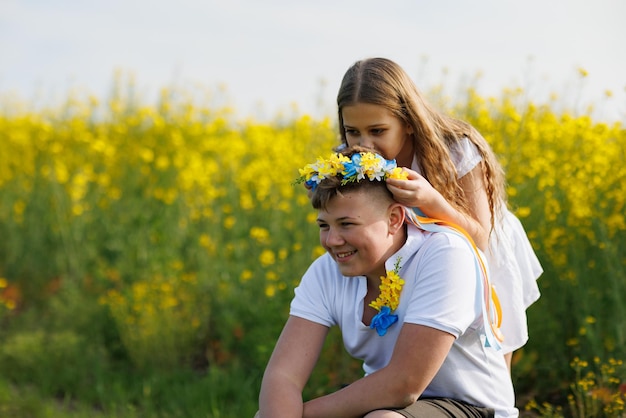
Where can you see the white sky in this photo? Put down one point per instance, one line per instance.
(270, 54)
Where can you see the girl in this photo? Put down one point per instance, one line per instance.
(454, 176)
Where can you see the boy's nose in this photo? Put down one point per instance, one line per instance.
(333, 238)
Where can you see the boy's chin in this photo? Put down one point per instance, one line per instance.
(350, 272)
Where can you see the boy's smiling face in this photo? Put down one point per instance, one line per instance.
(357, 229)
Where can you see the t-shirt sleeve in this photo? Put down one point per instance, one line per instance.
(465, 156)
(313, 296)
(444, 296)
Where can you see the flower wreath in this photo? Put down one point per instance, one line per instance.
(361, 165)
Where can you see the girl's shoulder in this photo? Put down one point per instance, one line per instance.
(465, 155)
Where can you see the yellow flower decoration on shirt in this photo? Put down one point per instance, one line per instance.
(388, 300)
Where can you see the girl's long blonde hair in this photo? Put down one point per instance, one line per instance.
(381, 81)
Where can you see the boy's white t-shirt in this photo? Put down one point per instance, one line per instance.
(440, 291)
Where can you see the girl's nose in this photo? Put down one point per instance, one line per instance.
(366, 142)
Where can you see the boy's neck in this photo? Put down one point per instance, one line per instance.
(373, 283)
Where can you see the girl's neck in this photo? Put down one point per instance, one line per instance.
(407, 154)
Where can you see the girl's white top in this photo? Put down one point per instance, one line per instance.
(514, 267)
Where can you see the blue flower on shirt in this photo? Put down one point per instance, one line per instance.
(383, 320)
(388, 300)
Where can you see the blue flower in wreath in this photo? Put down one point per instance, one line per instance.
(383, 320)
(312, 184)
(351, 168)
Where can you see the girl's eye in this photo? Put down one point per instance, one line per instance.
(351, 132)
(377, 131)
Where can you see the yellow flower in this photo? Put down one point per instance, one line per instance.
(390, 289)
(371, 164)
(307, 172)
(332, 166)
(229, 222)
(246, 275)
(270, 290)
(523, 212)
(261, 235)
(398, 173)
(318, 251)
(267, 258)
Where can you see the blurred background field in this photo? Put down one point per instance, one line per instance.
(149, 252)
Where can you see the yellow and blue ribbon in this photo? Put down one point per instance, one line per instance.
(491, 308)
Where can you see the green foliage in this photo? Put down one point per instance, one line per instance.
(57, 362)
(152, 252)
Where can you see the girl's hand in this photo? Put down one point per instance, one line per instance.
(415, 192)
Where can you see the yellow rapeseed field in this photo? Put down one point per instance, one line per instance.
(183, 224)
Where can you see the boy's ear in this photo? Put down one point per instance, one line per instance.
(396, 217)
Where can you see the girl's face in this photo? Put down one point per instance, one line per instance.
(356, 232)
(374, 126)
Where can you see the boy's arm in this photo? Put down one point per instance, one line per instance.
(290, 367)
(418, 355)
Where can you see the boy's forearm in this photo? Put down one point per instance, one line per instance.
(280, 400)
(375, 391)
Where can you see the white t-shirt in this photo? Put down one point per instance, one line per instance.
(464, 155)
(438, 293)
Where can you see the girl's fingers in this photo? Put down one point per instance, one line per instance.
(413, 175)
(409, 184)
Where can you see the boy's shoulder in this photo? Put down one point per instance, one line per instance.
(447, 243)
